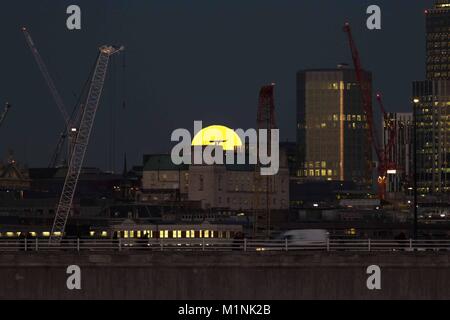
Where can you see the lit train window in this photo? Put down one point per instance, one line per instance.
(220, 234)
(164, 233)
(92, 233)
(206, 233)
(200, 234)
(10, 234)
(174, 234)
(212, 234)
(131, 234)
(138, 233)
(104, 234)
(148, 234)
(125, 234)
(46, 234)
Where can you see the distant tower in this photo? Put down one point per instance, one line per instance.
(264, 185)
(266, 108)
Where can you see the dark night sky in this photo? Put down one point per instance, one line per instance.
(190, 60)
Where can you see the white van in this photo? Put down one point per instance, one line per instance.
(305, 237)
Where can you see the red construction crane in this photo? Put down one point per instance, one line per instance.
(383, 153)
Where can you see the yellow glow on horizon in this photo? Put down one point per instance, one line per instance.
(217, 135)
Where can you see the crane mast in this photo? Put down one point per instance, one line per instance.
(382, 153)
(81, 142)
(69, 130)
(47, 77)
(4, 113)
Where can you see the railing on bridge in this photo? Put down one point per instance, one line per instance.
(245, 245)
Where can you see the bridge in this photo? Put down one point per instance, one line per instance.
(221, 245)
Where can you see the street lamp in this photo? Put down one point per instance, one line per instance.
(416, 102)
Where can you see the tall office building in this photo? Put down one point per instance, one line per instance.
(332, 130)
(432, 105)
(401, 151)
(438, 40)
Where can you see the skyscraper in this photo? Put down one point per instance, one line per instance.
(432, 105)
(438, 40)
(332, 130)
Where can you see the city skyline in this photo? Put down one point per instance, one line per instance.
(214, 74)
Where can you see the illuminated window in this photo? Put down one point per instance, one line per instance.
(125, 234)
(212, 234)
(164, 233)
(206, 233)
(200, 234)
(45, 234)
(104, 234)
(131, 234)
(92, 233)
(179, 233)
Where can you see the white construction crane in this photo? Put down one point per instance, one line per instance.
(47, 77)
(4, 113)
(69, 126)
(81, 143)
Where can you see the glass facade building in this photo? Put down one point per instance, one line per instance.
(332, 130)
(438, 40)
(433, 135)
(432, 105)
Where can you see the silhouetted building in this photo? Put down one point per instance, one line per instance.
(332, 130)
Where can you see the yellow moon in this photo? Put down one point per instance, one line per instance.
(217, 135)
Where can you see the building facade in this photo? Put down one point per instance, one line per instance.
(438, 41)
(401, 151)
(228, 187)
(432, 105)
(332, 129)
(433, 135)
